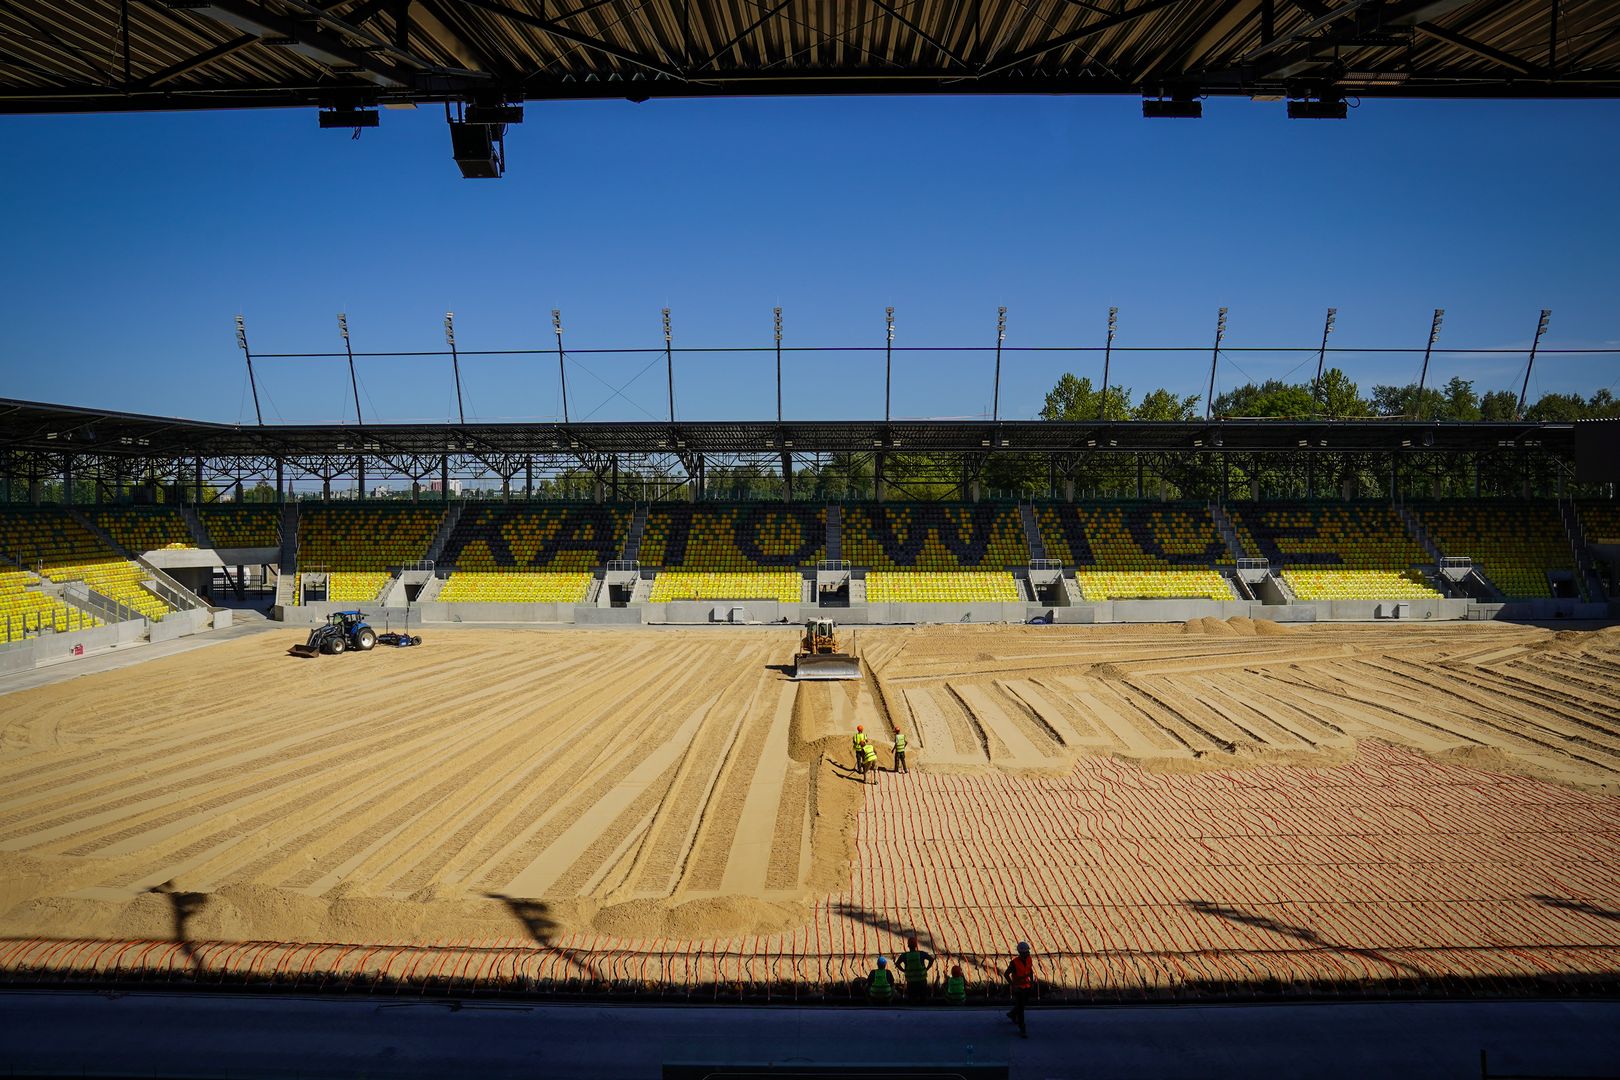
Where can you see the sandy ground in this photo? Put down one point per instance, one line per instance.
(1199, 805)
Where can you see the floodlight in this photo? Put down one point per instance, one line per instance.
(343, 325)
(349, 118)
(479, 149)
(1333, 313)
(556, 320)
(450, 329)
(1309, 109)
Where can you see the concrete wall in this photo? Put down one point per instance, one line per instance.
(590, 615)
(27, 654)
(691, 612)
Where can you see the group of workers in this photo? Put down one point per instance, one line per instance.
(915, 964)
(866, 762)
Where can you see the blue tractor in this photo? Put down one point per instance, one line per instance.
(342, 631)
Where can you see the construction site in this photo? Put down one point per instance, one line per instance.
(1211, 810)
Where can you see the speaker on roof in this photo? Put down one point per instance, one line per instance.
(479, 149)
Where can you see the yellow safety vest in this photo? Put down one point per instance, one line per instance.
(899, 742)
(867, 753)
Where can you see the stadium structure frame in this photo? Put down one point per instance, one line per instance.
(350, 56)
(42, 442)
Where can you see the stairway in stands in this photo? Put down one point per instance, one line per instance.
(835, 532)
(632, 541)
(287, 566)
(452, 517)
(1032, 531)
(199, 535)
(1229, 536)
(1586, 575)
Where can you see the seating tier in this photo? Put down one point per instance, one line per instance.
(24, 608)
(783, 586)
(492, 539)
(140, 529)
(1513, 544)
(935, 586)
(932, 537)
(1317, 584)
(516, 587)
(733, 539)
(53, 543)
(1152, 585)
(242, 526)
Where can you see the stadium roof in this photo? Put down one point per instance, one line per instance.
(31, 427)
(114, 55)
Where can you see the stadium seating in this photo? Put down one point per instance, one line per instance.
(357, 545)
(935, 553)
(145, 528)
(749, 552)
(732, 539)
(515, 587)
(242, 525)
(1513, 543)
(934, 586)
(1137, 551)
(534, 538)
(24, 609)
(1601, 521)
(53, 543)
(783, 586)
(1337, 551)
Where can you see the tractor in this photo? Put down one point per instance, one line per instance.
(342, 631)
(819, 656)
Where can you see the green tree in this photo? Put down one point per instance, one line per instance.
(1075, 399)
(1161, 404)
(1340, 396)
(1498, 405)
(1272, 398)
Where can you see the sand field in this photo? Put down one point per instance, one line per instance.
(1157, 809)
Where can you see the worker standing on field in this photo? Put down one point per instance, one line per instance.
(860, 747)
(880, 984)
(955, 986)
(914, 964)
(1021, 974)
(899, 750)
(869, 764)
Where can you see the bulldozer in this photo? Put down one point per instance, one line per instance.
(819, 656)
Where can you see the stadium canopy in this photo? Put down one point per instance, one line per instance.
(351, 55)
(57, 430)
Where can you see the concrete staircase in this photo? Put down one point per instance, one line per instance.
(199, 534)
(1415, 529)
(1586, 573)
(835, 531)
(632, 541)
(452, 517)
(287, 567)
(1228, 534)
(1032, 531)
(166, 589)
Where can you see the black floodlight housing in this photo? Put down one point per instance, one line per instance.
(479, 149)
(1163, 109)
(348, 118)
(1318, 110)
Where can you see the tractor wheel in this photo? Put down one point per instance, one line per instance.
(338, 645)
(365, 639)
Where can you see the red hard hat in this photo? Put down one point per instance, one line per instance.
(859, 728)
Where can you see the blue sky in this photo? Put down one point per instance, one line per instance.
(133, 241)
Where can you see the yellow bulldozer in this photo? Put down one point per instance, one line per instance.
(819, 656)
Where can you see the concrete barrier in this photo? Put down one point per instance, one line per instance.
(589, 615)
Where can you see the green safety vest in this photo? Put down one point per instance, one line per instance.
(956, 989)
(912, 963)
(880, 985)
(899, 742)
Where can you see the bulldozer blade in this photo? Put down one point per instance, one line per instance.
(826, 666)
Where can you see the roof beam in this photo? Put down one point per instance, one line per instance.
(920, 32)
(1147, 7)
(1479, 49)
(315, 43)
(202, 59)
(764, 17)
(574, 37)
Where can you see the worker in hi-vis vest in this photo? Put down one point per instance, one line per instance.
(860, 745)
(956, 986)
(899, 750)
(880, 984)
(914, 964)
(869, 764)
